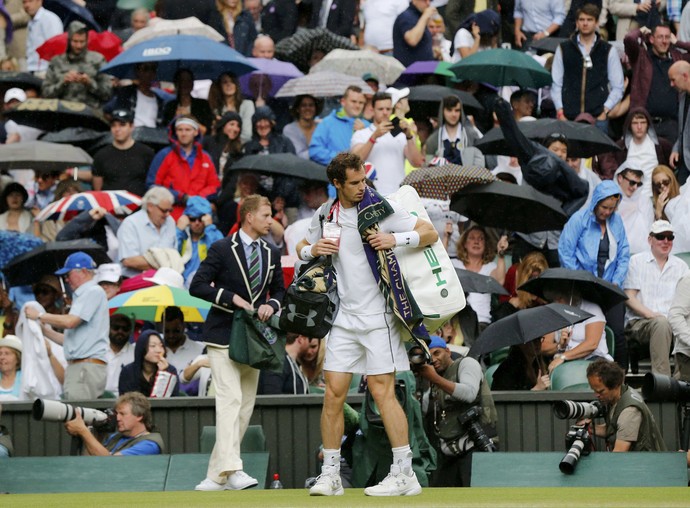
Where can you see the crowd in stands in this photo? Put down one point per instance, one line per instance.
(620, 66)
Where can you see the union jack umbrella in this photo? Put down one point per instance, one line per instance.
(115, 202)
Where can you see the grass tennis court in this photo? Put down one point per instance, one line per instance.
(466, 498)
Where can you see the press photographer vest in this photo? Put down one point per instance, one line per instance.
(584, 90)
(448, 409)
(151, 436)
(649, 438)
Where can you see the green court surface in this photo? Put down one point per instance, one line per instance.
(562, 497)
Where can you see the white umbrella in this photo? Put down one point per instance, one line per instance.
(322, 84)
(160, 27)
(359, 62)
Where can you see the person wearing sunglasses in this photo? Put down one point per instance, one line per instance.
(195, 234)
(651, 285)
(634, 208)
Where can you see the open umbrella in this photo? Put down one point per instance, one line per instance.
(165, 27)
(435, 94)
(359, 62)
(509, 206)
(526, 325)
(39, 155)
(56, 114)
(106, 43)
(129, 5)
(322, 84)
(282, 164)
(69, 11)
(77, 136)
(584, 140)
(547, 44)
(23, 80)
(298, 48)
(13, 244)
(502, 67)
(592, 288)
(417, 71)
(207, 59)
(149, 304)
(155, 137)
(441, 182)
(118, 202)
(269, 76)
(472, 282)
(47, 259)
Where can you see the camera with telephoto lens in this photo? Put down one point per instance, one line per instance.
(578, 442)
(657, 387)
(470, 421)
(417, 358)
(568, 409)
(56, 411)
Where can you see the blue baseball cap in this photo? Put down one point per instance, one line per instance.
(437, 341)
(77, 261)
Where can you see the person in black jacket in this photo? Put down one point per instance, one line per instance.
(339, 18)
(279, 19)
(241, 271)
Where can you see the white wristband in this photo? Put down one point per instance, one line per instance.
(409, 239)
(306, 254)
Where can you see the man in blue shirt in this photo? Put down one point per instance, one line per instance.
(133, 436)
(412, 39)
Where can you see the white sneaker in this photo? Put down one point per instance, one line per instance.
(209, 485)
(396, 485)
(240, 480)
(328, 484)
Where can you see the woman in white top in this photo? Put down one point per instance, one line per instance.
(16, 217)
(475, 255)
(225, 95)
(478, 32)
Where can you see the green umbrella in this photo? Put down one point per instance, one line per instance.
(502, 67)
(136, 4)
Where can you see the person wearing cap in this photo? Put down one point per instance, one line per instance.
(635, 208)
(184, 167)
(454, 388)
(143, 100)
(124, 163)
(372, 80)
(85, 337)
(10, 368)
(411, 37)
(75, 75)
(401, 107)
(43, 25)
(651, 285)
(17, 132)
(334, 133)
(151, 226)
(16, 217)
(109, 277)
(388, 153)
(195, 235)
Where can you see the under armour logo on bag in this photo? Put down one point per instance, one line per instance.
(292, 313)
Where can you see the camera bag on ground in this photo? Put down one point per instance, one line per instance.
(428, 271)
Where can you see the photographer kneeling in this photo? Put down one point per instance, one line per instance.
(630, 426)
(133, 436)
(460, 416)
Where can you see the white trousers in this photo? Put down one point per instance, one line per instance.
(235, 385)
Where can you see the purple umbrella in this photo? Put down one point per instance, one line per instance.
(416, 72)
(271, 74)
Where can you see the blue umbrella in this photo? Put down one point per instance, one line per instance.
(12, 244)
(69, 11)
(270, 76)
(206, 59)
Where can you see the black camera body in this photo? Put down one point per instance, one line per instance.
(578, 442)
(417, 358)
(470, 422)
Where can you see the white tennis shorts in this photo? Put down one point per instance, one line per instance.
(365, 344)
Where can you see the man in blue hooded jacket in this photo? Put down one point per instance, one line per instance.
(594, 240)
(195, 234)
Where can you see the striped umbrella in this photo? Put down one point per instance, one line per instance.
(441, 182)
(115, 202)
(149, 304)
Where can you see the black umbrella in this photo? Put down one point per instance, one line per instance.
(47, 259)
(509, 206)
(299, 47)
(592, 288)
(547, 44)
(69, 11)
(584, 140)
(56, 114)
(526, 325)
(42, 156)
(477, 283)
(156, 138)
(436, 93)
(21, 80)
(77, 136)
(282, 164)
